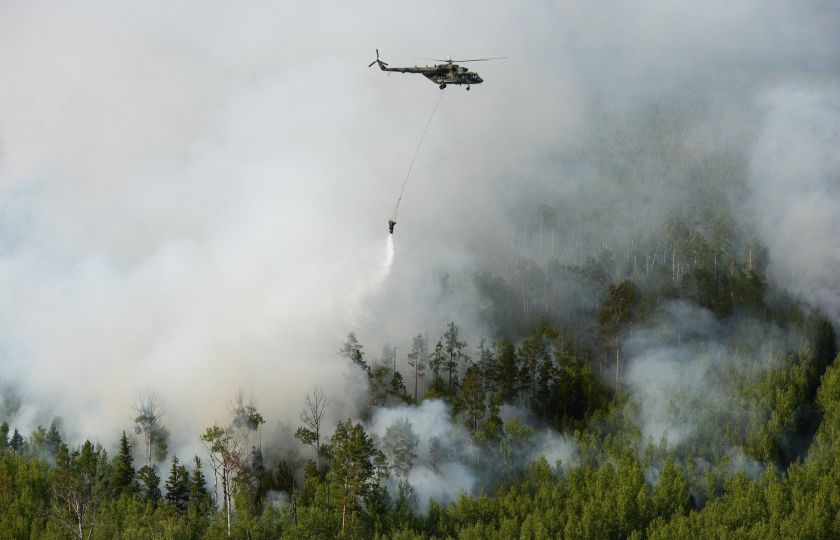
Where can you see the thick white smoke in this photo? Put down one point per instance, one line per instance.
(466, 467)
(449, 478)
(794, 190)
(687, 373)
(192, 196)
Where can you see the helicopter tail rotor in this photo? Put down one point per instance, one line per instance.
(378, 61)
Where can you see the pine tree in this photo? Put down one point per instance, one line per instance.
(530, 354)
(671, 495)
(352, 350)
(406, 497)
(472, 397)
(285, 477)
(506, 360)
(417, 360)
(400, 444)
(437, 452)
(358, 469)
(543, 401)
(454, 350)
(123, 475)
(491, 428)
(178, 486)
(488, 368)
(616, 311)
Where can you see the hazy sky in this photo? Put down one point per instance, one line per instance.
(194, 195)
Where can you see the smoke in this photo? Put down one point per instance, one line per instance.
(443, 481)
(192, 197)
(794, 189)
(689, 376)
(461, 465)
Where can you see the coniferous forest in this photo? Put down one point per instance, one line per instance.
(757, 459)
(605, 305)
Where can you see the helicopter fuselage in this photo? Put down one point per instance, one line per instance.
(440, 74)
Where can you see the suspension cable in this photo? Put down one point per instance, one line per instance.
(414, 158)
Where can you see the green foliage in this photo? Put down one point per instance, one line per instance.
(357, 471)
(199, 496)
(123, 475)
(178, 486)
(4, 435)
(149, 484)
(473, 397)
(398, 386)
(762, 463)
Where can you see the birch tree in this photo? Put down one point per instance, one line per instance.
(312, 416)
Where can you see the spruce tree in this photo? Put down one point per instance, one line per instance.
(178, 486)
(198, 485)
(123, 475)
(53, 437)
(149, 483)
(436, 360)
(397, 385)
(16, 443)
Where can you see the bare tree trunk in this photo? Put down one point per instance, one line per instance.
(344, 508)
(617, 369)
(226, 488)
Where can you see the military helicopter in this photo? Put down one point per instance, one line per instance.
(440, 74)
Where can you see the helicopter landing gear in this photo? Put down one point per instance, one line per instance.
(442, 86)
(468, 88)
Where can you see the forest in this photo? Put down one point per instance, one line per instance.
(741, 441)
(609, 309)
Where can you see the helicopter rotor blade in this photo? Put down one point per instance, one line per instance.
(481, 59)
(452, 60)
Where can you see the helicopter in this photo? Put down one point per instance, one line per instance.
(440, 74)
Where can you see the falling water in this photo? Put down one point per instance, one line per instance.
(372, 284)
